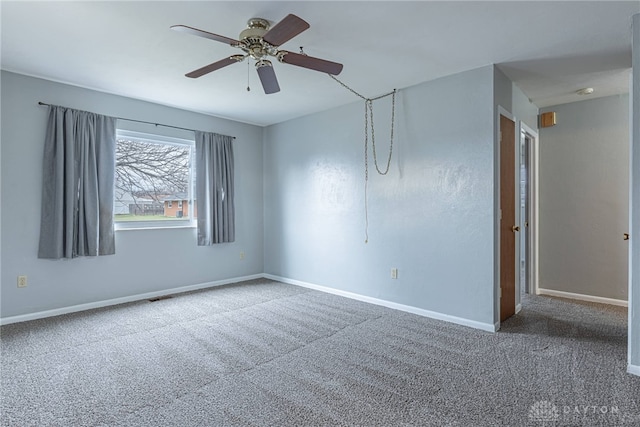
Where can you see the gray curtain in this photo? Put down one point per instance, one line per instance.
(77, 185)
(214, 188)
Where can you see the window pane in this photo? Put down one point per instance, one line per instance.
(153, 180)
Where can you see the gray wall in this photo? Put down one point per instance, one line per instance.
(511, 98)
(634, 312)
(146, 261)
(584, 198)
(432, 216)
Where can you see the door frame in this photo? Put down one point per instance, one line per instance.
(533, 204)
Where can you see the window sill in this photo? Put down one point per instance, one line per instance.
(161, 227)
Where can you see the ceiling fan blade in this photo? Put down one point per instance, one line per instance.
(212, 67)
(285, 30)
(310, 62)
(267, 77)
(205, 34)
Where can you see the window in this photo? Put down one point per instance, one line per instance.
(152, 171)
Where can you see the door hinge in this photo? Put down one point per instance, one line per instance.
(500, 295)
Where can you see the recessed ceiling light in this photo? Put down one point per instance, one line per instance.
(585, 91)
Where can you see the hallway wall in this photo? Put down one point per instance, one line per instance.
(584, 203)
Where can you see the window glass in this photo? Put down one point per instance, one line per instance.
(154, 176)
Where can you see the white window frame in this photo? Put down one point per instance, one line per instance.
(160, 224)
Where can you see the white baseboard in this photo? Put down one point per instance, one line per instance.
(407, 308)
(518, 308)
(633, 369)
(122, 300)
(581, 297)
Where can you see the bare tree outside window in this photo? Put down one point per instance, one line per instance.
(149, 176)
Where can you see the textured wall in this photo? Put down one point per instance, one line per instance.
(146, 261)
(432, 216)
(511, 98)
(584, 203)
(634, 312)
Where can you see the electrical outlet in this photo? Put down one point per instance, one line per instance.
(241, 254)
(394, 273)
(22, 281)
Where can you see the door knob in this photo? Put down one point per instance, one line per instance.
(515, 228)
(626, 236)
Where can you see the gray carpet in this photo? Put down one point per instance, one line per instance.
(264, 353)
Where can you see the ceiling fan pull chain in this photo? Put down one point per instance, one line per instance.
(248, 88)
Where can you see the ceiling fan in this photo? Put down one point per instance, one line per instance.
(260, 41)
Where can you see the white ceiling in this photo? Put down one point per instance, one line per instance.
(549, 49)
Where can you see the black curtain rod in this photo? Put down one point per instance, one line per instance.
(133, 120)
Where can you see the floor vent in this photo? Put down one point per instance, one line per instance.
(160, 298)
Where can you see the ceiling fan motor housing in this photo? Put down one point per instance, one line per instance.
(251, 39)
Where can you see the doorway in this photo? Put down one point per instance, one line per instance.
(527, 212)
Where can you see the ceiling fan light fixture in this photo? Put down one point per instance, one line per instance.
(585, 91)
(263, 63)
